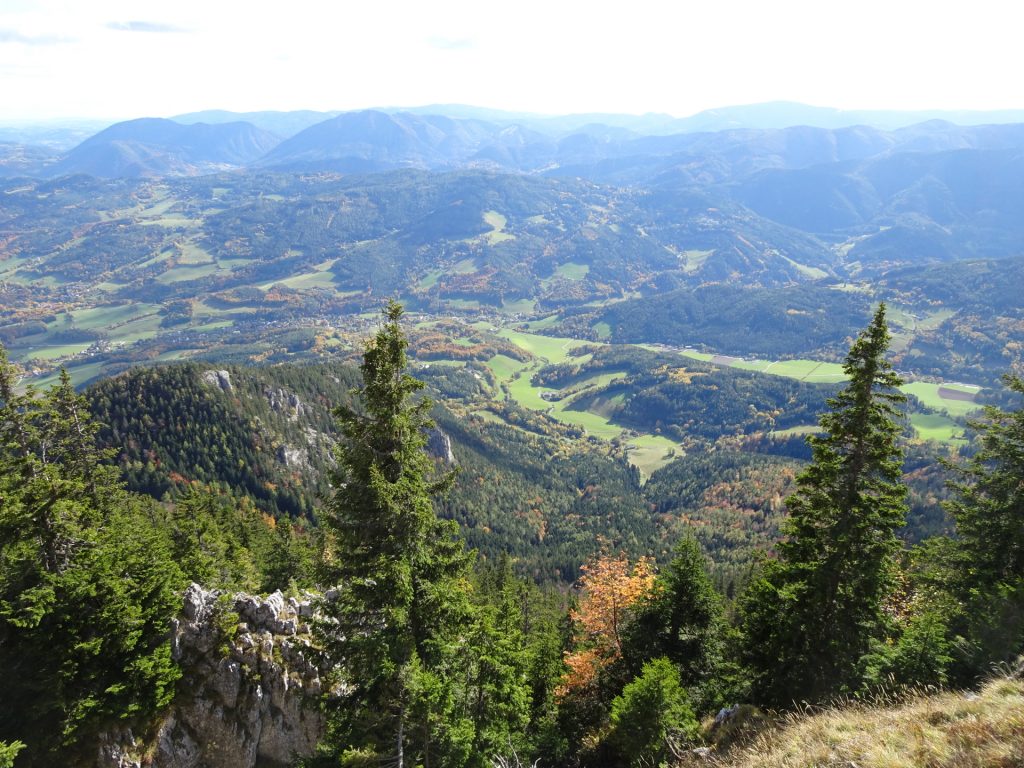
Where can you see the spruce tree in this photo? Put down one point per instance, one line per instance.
(811, 616)
(989, 505)
(496, 698)
(400, 574)
(681, 620)
(989, 511)
(87, 586)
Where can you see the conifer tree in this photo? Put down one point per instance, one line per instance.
(989, 506)
(681, 620)
(811, 616)
(86, 591)
(400, 573)
(989, 511)
(497, 695)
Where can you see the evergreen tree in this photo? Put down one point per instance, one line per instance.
(497, 694)
(989, 513)
(989, 508)
(652, 709)
(8, 752)
(87, 586)
(401, 574)
(681, 620)
(811, 616)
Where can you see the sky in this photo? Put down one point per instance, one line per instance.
(119, 59)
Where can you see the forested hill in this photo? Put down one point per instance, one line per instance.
(527, 485)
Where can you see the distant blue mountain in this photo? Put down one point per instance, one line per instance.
(158, 147)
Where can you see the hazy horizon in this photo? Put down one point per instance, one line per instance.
(116, 59)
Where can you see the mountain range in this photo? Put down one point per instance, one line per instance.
(609, 148)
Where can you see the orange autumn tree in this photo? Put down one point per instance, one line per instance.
(609, 587)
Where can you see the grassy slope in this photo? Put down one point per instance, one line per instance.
(946, 730)
(647, 452)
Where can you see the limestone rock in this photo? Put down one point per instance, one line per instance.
(285, 402)
(220, 379)
(250, 689)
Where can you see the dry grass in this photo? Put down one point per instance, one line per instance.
(947, 730)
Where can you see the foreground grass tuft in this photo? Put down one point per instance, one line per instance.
(946, 730)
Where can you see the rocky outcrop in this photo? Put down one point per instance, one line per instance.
(284, 402)
(439, 445)
(250, 691)
(220, 379)
(291, 457)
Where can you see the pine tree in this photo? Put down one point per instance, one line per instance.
(401, 574)
(811, 616)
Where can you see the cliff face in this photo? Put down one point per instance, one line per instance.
(250, 692)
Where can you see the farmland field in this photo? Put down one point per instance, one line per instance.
(951, 398)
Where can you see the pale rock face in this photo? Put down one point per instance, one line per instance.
(293, 458)
(248, 698)
(283, 401)
(220, 379)
(440, 445)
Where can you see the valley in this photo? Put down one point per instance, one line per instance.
(627, 332)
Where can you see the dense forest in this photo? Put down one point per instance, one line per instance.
(729, 577)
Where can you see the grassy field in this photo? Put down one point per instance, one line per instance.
(145, 327)
(430, 280)
(307, 280)
(546, 322)
(933, 426)
(690, 353)
(497, 223)
(504, 368)
(80, 374)
(54, 351)
(490, 416)
(931, 395)
(646, 452)
(214, 325)
(9, 268)
(572, 271)
(551, 348)
(812, 272)
(190, 253)
(96, 318)
(927, 426)
(649, 453)
(184, 273)
(519, 306)
(233, 263)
